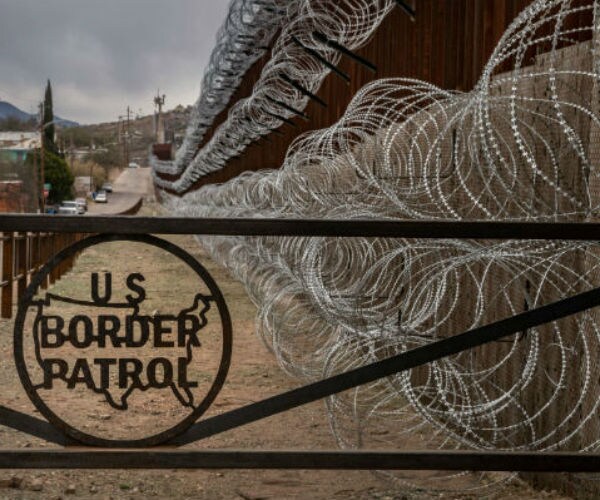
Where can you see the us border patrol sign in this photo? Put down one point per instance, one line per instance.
(103, 361)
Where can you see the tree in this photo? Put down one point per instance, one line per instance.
(107, 157)
(13, 124)
(56, 173)
(47, 119)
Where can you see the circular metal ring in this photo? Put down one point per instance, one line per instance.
(163, 436)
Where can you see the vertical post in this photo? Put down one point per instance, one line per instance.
(38, 262)
(68, 262)
(29, 263)
(7, 275)
(22, 265)
(53, 244)
(64, 266)
(44, 255)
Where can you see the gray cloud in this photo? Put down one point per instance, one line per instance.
(103, 55)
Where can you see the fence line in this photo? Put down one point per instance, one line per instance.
(23, 254)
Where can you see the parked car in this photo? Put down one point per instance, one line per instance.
(82, 202)
(108, 187)
(73, 204)
(68, 210)
(133, 165)
(101, 197)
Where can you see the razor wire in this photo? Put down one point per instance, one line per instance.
(243, 38)
(523, 145)
(282, 91)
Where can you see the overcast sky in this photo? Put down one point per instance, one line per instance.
(103, 55)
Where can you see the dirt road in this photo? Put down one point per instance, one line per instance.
(131, 185)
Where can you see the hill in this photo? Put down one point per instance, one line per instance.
(111, 135)
(7, 110)
(10, 111)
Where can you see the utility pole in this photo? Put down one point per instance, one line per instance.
(127, 136)
(72, 154)
(159, 125)
(121, 135)
(125, 126)
(36, 173)
(92, 187)
(120, 130)
(42, 163)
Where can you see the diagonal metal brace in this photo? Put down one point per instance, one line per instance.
(407, 9)
(322, 60)
(285, 105)
(301, 89)
(390, 366)
(340, 48)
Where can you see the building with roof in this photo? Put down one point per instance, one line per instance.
(14, 146)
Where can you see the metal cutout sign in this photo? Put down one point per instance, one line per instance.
(101, 350)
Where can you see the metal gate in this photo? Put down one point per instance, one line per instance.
(163, 452)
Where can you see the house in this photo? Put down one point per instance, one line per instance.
(14, 146)
(83, 185)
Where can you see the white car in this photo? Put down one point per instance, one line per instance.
(73, 204)
(101, 197)
(133, 165)
(67, 211)
(82, 202)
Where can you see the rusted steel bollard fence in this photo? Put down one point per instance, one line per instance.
(23, 254)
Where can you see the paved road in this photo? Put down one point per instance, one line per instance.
(131, 185)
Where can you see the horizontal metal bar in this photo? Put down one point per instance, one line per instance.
(301, 227)
(387, 367)
(332, 460)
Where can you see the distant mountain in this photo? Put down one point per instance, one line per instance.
(66, 123)
(7, 110)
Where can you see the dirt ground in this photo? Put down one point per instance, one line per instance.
(254, 375)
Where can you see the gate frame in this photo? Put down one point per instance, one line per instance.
(161, 458)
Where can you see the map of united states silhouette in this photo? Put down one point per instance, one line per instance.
(110, 347)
